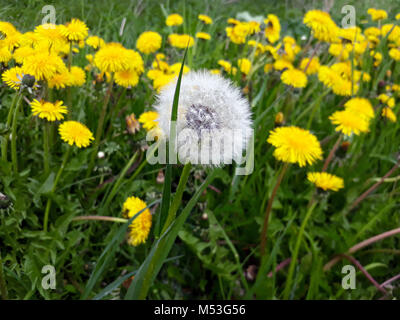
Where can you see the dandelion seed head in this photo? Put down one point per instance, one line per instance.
(212, 115)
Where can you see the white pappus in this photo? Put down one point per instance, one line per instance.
(214, 120)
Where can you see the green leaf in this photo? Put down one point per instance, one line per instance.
(108, 254)
(151, 266)
(166, 197)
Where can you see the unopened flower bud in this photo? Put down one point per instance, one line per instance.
(28, 80)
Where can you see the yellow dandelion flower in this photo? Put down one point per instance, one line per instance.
(12, 40)
(295, 145)
(112, 58)
(47, 110)
(74, 132)
(325, 181)
(5, 54)
(50, 36)
(149, 119)
(377, 58)
(140, 227)
(233, 21)
(273, 28)
(95, 42)
(77, 76)
(7, 28)
(21, 53)
(13, 77)
(180, 40)
(322, 25)
(394, 53)
(389, 114)
(238, 33)
(43, 65)
(60, 80)
(227, 66)
(348, 122)
(361, 106)
(174, 20)
(176, 67)
(126, 78)
(397, 16)
(312, 66)
(203, 35)
(29, 38)
(295, 78)
(377, 14)
(204, 18)
(149, 42)
(385, 99)
(215, 71)
(279, 119)
(75, 30)
(244, 65)
(282, 64)
(341, 51)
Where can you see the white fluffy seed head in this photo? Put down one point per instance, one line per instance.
(213, 122)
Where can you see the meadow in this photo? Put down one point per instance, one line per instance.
(88, 88)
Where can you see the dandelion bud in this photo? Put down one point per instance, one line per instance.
(279, 119)
(132, 125)
(28, 80)
(389, 73)
(246, 90)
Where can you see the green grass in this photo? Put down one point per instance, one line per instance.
(210, 256)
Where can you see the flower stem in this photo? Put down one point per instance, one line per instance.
(376, 185)
(178, 197)
(361, 245)
(4, 143)
(46, 147)
(288, 285)
(263, 240)
(100, 127)
(14, 157)
(332, 153)
(100, 218)
(3, 284)
(48, 205)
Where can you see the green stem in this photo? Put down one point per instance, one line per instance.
(100, 127)
(4, 143)
(293, 262)
(48, 205)
(14, 157)
(3, 285)
(119, 181)
(178, 197)
(101, 218)
(263, 240)
(46, 147)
